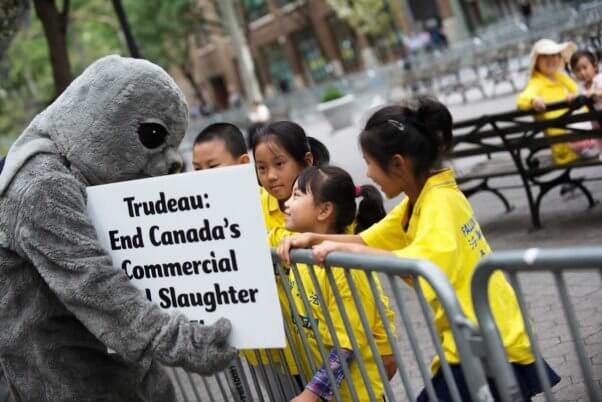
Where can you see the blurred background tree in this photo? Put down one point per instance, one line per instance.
(165, 31)
(27, 78)
(12, 14)
(57, 42)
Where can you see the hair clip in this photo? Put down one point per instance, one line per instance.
(398, 125)
(358, 191)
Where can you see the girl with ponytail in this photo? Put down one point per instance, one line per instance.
(404, 146)
(324, 201)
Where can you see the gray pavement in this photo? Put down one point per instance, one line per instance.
(567, 222)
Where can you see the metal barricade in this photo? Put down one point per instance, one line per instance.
(279, 375)
(558, 263)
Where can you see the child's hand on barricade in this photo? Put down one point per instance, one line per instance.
(305, 396)
(538, 104)
(320, 251)
(299, 240)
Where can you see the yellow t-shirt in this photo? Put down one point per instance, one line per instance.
(555, 90)
(329, 303)
(442, 229)
(273, 217)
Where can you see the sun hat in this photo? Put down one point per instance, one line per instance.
(548, 46)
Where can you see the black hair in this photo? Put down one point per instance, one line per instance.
(583, 53)
(420, 130)
(295, 142)
(229, 133)
(333, 184)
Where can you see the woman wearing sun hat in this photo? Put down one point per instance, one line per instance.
(547, 83)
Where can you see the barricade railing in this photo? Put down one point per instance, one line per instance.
(557, 262)
(352, 305)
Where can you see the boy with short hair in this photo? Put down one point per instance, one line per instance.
(218, 145)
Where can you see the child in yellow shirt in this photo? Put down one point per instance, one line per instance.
(323, 201)
(548, 84)
(403, 147)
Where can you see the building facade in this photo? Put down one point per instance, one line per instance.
(294, 43)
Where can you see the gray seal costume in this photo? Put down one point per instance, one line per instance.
(62, 302)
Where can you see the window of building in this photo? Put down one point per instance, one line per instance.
(312, 56)
(255, 9)
(279, 68)
(346, 42)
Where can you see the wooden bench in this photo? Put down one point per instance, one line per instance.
(514, 144)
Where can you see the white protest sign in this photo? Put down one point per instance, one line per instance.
(195, 242)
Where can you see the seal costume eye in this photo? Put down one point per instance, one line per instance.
(152, 135)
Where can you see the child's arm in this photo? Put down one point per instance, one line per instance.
(321, 250)
(305, 240)
(571, 87)
(319, 386)
(350, 243)
(277, 234)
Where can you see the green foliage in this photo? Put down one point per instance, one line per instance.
(366, 16)
(26, 82)
(332, 94)
(93, 32)
(164, 28)
(12, 14)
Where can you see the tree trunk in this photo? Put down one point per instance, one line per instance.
(195, 87)
(241, 47)
(55, 29)
(125, 28)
